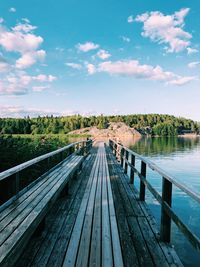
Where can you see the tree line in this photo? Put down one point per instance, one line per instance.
(152, 124)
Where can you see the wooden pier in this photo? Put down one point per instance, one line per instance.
(85, 211)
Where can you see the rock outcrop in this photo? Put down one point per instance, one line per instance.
(116, 130)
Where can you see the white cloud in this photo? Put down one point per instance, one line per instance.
(44, 78)
(30, 58)
(14, 111)
(166, 29)
(193, 64)
(91, 69)
(24, 27)
(130, 19)
(12, 10)
(103, 54)
(182, 80)
(134, 69)
(12, 89)
(19, 41)
(19, 82)
(125, 39)
(87, 46)
(40, 88)
(74, 65)
(191, 51)
(1, 20)
(7, 111)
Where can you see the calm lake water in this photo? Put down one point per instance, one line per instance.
(181, 158)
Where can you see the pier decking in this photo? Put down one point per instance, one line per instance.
(98, 221)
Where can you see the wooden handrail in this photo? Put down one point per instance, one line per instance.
(167, 213)
(81, 147)
(27, 164)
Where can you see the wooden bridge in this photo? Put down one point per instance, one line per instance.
(85, 211)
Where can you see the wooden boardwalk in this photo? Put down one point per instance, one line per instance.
(99, 222)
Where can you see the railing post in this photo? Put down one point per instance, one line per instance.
(132, 173)
(115, 149)
(165, 226)
(122, 157)
(142, 185)
(126, 163)
(82, 149)
(86, 147)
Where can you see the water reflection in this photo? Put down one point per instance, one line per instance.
(157, 146)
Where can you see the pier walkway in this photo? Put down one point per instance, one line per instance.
(97, 220)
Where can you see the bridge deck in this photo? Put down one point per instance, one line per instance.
(99, 223)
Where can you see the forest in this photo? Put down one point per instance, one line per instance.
(151, 124)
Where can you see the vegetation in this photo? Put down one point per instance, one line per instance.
(153, 124)
(16, 149)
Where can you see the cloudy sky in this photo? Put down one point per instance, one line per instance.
(92, 57)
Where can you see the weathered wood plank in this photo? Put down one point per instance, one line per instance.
(20, 207)
(161, 253)
(128, 250)
(31, 189)
(84, 246)
(18, 239)
(107, 258)
(70, 257)
(51, 250)
(11, 222)
(95, 253)
(117, 253)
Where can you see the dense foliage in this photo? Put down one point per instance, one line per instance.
(18, 149)
(154, 124)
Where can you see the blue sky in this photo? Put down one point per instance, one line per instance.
(92, 57)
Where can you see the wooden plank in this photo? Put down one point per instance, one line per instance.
(117, 253)
(156, 256)
(11, 222)
(107, 258)
(128, 250)
(51, 250)
(169, 253)
(22, 206)
(31, 190)
(70, 257)
(141, 250)
(19, 237)
(60, 247)
(95, 252)
(84, 246)
(152, 243)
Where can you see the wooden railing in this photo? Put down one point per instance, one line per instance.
(81, 147)
(127, 159)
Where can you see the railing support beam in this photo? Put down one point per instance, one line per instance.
(126, 163)
(142, 185)
(165, 226)
(132, 174)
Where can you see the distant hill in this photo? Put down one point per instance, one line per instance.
(145, 124)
